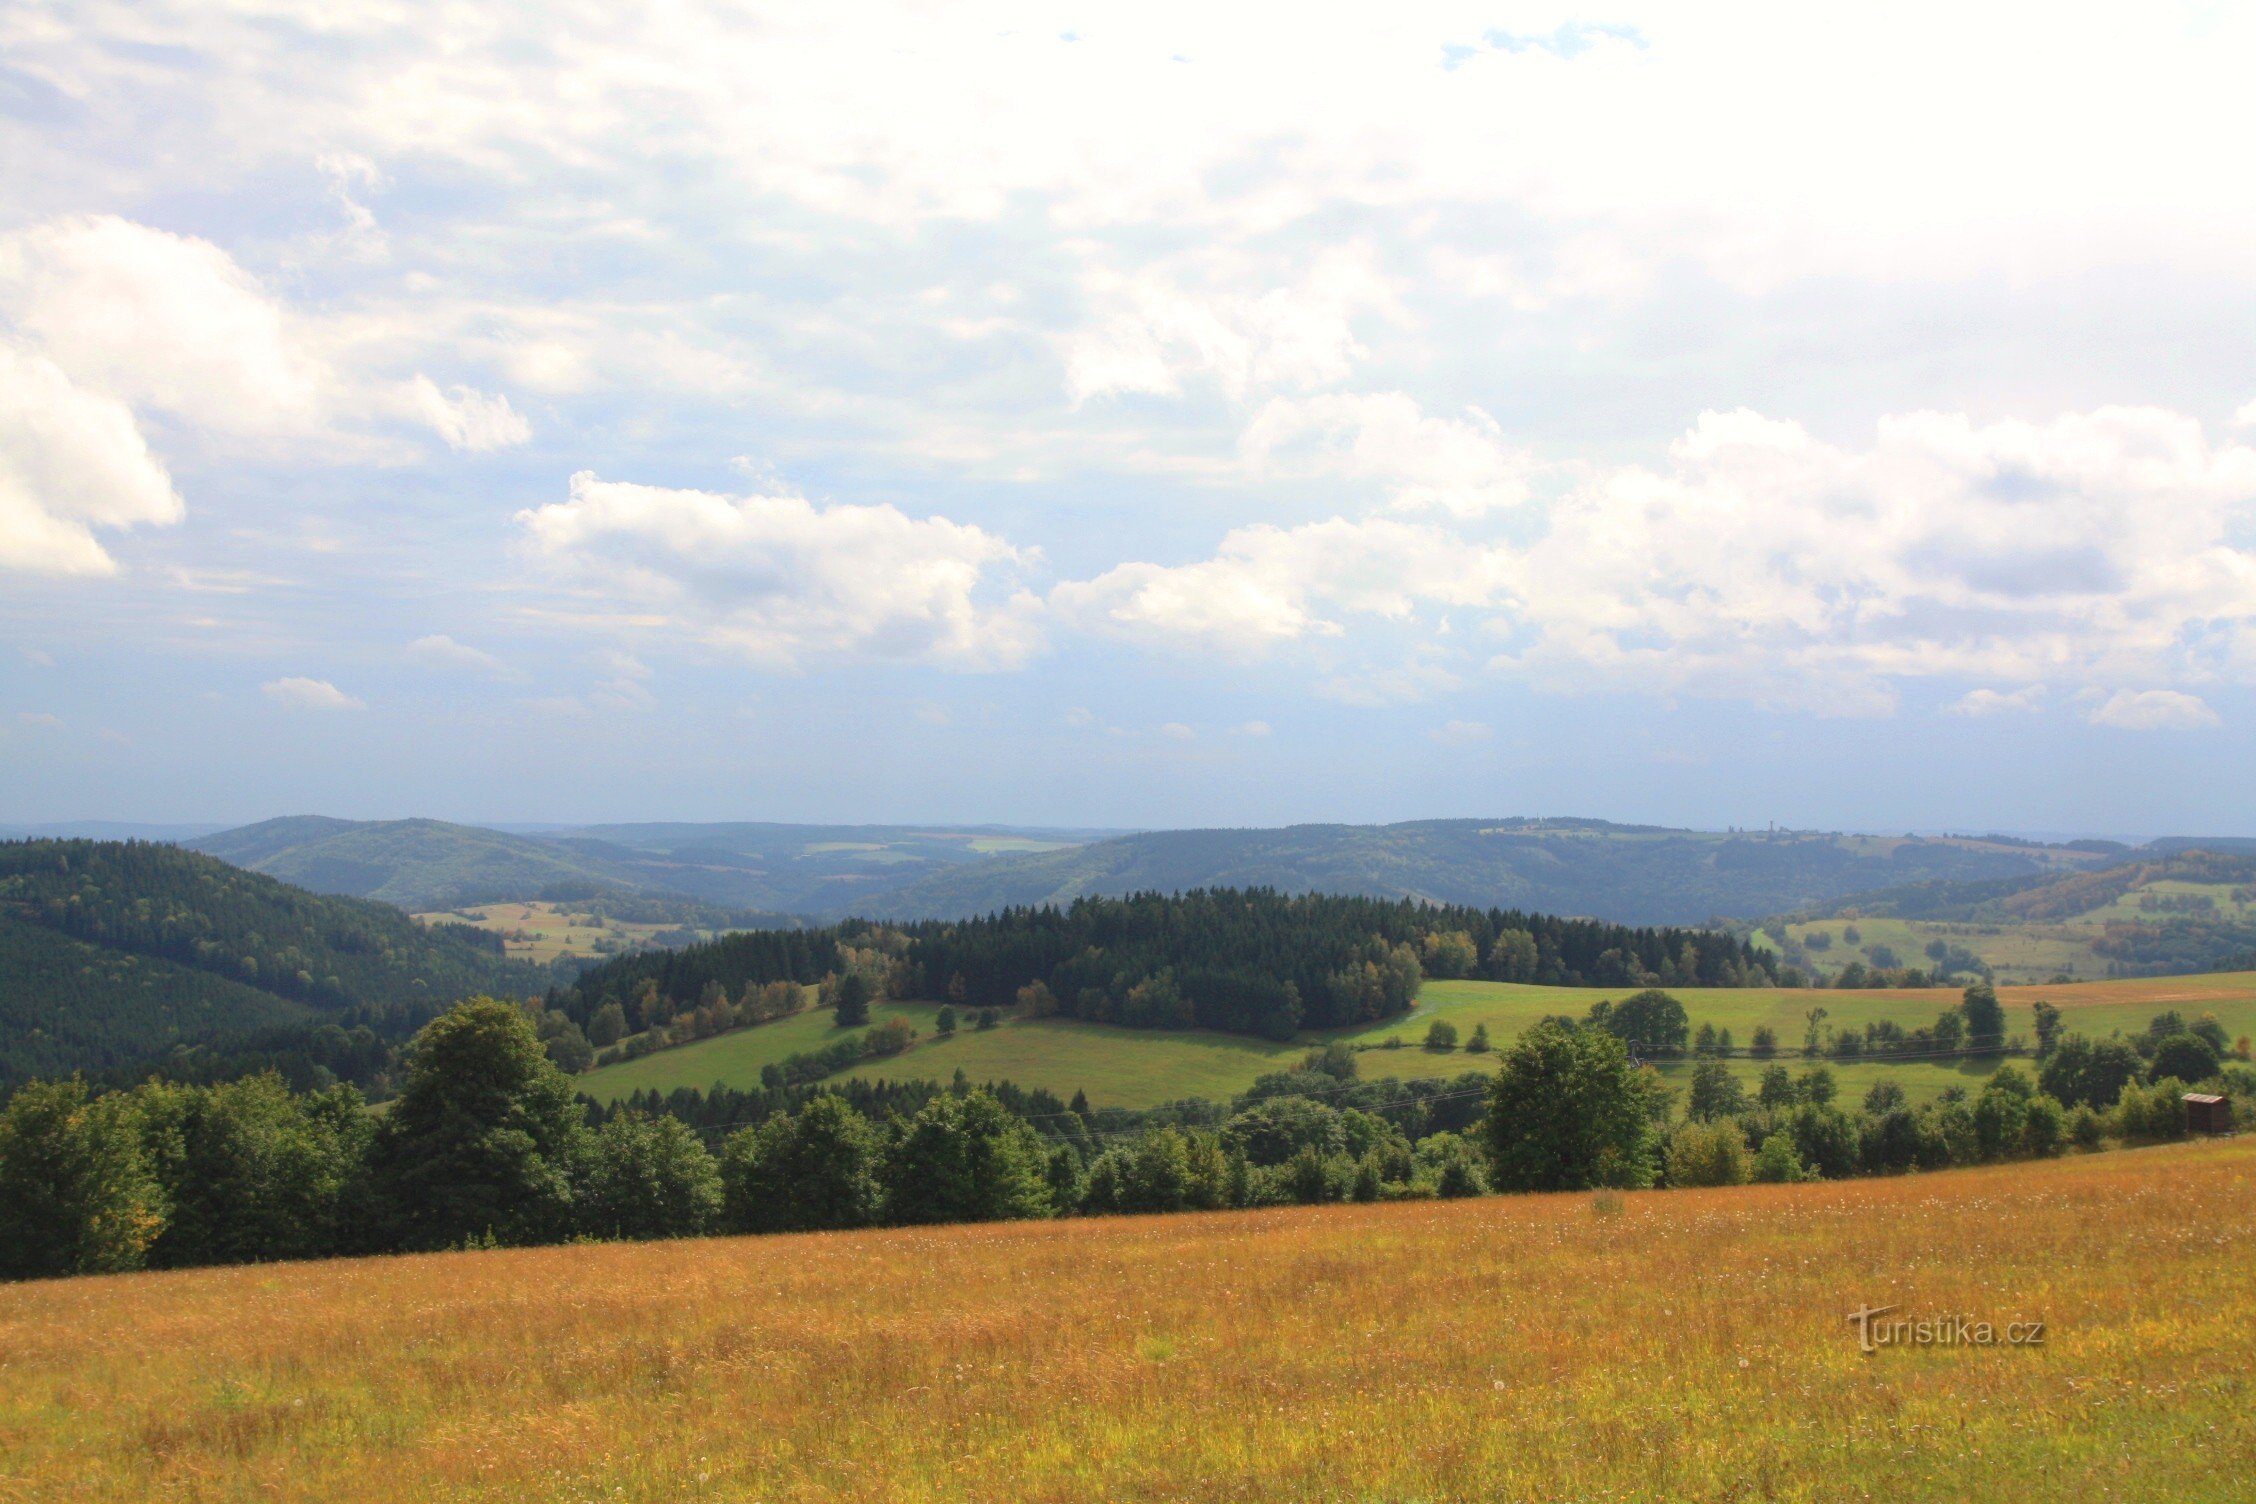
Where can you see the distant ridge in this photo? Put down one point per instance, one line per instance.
(1629, 874)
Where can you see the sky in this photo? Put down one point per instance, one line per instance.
(1145, 415)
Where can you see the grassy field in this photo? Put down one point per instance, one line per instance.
(1685, 1345)
(1142, 1067)
(2020, 951)
(534, 931)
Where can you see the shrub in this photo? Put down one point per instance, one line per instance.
(1778, 1162)
(1441, 1035)
(1704, 1154)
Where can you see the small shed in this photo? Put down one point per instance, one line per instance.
(2207, 1114)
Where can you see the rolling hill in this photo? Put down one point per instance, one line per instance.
(2172, 909)
(111, 952)
(766, 873)
(1629, 874)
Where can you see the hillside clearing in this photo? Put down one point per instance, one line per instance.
(1692, 1345)
(1120, 1067)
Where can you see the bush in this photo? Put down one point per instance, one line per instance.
(1441, 1035)
(2086, 1128)
(1778, 1162)
(1704, 1154)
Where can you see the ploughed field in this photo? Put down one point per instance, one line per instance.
(1668, 1345)
(1142, 1067)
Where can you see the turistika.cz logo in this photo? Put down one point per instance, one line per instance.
(1957, 1330)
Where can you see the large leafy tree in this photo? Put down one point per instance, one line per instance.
(76, 1192)
(967, 1159)
(1569, 1111)
(251, 1170)
(1650, 1022)
(1985, 1019)
(2087, 1072)
(482, 1140)
(648, 1178)
(810, 1170)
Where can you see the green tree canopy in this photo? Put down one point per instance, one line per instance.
(814, 1169)
(1568, 1112)
(967, 1159)
(76, 1192)
(482, 1140)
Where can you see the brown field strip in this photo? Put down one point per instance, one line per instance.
(1691, 1345)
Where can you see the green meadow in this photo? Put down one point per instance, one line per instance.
(1141, 1067)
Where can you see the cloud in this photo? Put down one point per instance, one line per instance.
(1762, 563)
(1460, 733)
(784, 582)
(467, 418)
(1177, 731)
(1267, 585)
(310, 694)
(441, 649)
(39, 719)
(1402, 684)
(2246, 417)
(1152, 334)
(1984, 702)
(1254, 728)
(164, 322)
(1459, 466)
(71, 461)
(2153, 710)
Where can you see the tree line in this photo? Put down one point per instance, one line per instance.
(1250, 961)
(487, 1144)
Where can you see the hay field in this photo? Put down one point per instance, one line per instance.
(1142, 1067)
(1692, 1345)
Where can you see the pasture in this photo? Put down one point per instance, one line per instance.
(538, 931)
(1142, 1067)
(1677, 1345)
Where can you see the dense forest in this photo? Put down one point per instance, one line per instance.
(113, 952)
(1254, 961)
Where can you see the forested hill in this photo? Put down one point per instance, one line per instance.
(111, 952)
(1246, 961)
(1624, 873)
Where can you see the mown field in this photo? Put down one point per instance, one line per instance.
(538, 931)
(1671, 1345)
(1141, 1067)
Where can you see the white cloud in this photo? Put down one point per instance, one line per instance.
(1461, 733)
(1153, 334)
(2153, 710)
(441, 649)
(310, 694)
(37, 658)
(1267, 585)
(1763, 563)
(1177, 731)
(71, 461)
(1461, 466)
(162, 321)
(782, 581)
(39, 720)
(1254, 728)
(468, 418)
(1402, 684)
(2246, 417)
(1982, 702)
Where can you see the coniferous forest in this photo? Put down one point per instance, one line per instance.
(1244, 961)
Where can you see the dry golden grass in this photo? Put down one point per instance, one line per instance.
(1691, 1345)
